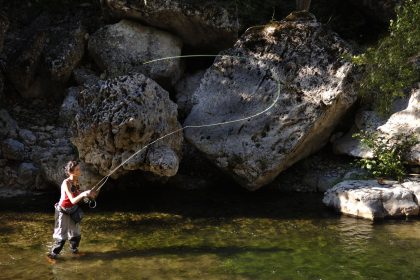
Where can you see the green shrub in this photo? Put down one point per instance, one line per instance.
(388, 67)
(388, 154)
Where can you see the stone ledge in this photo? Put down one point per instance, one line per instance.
(370, 200)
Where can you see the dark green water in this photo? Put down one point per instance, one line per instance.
(201, 235)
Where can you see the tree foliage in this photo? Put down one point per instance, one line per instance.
(388, 153)
(388, 67)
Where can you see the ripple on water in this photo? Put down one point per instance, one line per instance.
(165, 245)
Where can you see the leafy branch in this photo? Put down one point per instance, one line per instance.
(388, 153)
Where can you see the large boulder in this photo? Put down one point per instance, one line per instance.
(27, 173)
(23, 64)
(299, 57)
(51, 152)
(371, 200)
(13, 149)
(122, 48)
(185, 89)
(42, 56)
(404, 121)
(1, 84)
(8, 125)
(69, 107)
(4, 24)
(119, 117)
(65, 48)
(347, 144)
(85, 76)
(201, 25)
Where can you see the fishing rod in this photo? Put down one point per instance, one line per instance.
(98, 186)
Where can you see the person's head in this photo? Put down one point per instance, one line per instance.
(72, 168)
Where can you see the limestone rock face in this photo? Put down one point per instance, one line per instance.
(185, 89)
(13, 149)
(52, 151)
(405, 120)
(300, 56)
(41, 57)
(8, 126)
(122, 48)
(370, 200)
(69, 107)
(364, 120)
(65, 48)
(1, 84)
(84, 76)
(119, 117)
(27, 173)
(199, 24)
(4, 24)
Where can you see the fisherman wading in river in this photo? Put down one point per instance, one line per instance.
(67, 213)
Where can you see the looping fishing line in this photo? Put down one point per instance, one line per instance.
(97, 187)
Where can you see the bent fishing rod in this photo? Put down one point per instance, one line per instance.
(98, 186)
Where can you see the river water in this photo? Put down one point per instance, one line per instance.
(173, 234)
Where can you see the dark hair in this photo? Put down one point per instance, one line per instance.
(70, 166)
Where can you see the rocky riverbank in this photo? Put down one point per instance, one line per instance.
(75, 84)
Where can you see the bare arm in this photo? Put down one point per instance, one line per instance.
(76, 199)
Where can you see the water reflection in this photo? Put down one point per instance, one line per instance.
(409, 229)
(270, 244)
(354, 230)
(354, 234)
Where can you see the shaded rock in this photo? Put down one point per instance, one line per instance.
(197, 172)
(41, 56)
(202, 25)
(186, 182)
(1, 84)
(52, 151)
(4, 24)
(27, 174)
(185, 89)
(7, 192)
(315, 91)
(122, 48)
(13, 149)
(64, 49)
(89, 176)
(27, 136)
(414, 187)
(317, 173)
(8, 126)
(368, 120)
(84, 76)
(347, 145)
(118, 117)
(22, 69)
(404, 121)
(370, 200)
(52, 168)
(69, 107)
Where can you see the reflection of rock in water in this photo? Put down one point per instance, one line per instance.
(407, 230)
(354, 233)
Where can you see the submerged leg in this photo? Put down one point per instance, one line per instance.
(60, 233)
(57, 247)
(74, 244)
